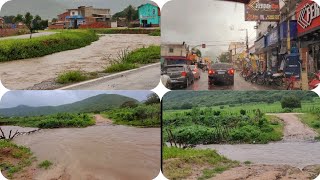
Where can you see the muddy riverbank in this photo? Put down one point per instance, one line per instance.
(96, 152)
(23, 74)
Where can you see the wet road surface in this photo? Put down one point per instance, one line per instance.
(239, 84)
(22, 74)
(141, 79)
(296, 149)
(96, 152)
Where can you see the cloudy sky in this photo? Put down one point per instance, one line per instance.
(205, 21)
(54, 98)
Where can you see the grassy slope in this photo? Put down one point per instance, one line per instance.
(181, 163)
(311, 120)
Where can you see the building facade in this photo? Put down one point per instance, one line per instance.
(149, 15)
(235, 49)
(174, 54)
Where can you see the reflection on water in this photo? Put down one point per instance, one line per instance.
(97, 152)
(298, 154)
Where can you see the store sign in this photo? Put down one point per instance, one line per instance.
(308, 16)
(284, 30)
(262, 10)
(259, 44)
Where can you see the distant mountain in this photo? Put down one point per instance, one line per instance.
(49, 9)
(93, 104)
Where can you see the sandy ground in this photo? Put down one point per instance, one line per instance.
(95, 152)
(22, 74)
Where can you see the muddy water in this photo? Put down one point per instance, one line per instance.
(97, 152)
(6, 129)
(25, 73)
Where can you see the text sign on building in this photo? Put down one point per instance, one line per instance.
(262, 10)
(273, 37)
(308, 16)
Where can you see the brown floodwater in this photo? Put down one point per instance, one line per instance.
(96, 152)
(22, 74)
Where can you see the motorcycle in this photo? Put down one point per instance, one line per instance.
(315, 81)
(270, 78)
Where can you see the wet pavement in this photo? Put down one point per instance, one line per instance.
(239, 84)
(140, 79)
(22, 74)
(96, 152)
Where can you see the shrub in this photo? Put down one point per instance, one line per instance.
(71, 76)
(287, 110)
(290, 102)
(45, 164)
(120, 67)
(243, 112)
(13, 49)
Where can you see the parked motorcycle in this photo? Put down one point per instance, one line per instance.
(270, 78)
(315, 81)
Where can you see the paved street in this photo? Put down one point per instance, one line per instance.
(141, 79)
(239, 84)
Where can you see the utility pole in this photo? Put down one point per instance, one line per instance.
(288, 28)
(247, 41)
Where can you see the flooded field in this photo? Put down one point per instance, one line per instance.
(26, 73)
(96, 152)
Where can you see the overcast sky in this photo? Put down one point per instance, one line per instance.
(54, 98)
(205, 21)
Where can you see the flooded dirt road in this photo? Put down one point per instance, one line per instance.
(96, 152)
(22, 74)
(296, 149)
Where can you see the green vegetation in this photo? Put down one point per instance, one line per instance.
(124, 31)
(75, 76)
(32, 23)
(268, 101)
(13, 49)
(207, 126)
(141, 115)
(45, 164)
(290, 102)
(157, 32)
(181, 163)
(13, 158)
(312, 119)
(130, 60)
(59, 120)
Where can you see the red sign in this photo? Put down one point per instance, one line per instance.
(308, 16)
(262, 10)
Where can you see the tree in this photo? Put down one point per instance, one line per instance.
(225, 57)
(129, 104)
(290, 102)
(152, 99)
(197, 52)
(9, 19)
(32, 23)
(130, 13)
(54, 20)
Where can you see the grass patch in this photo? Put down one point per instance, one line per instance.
(60, 120)
(181, 163)
(247, 162)
(129, 60)
(139, 116)
(311, 120)
(13, 158)
(45, 164)
(155, 33)
(71, 76)
(13, 49)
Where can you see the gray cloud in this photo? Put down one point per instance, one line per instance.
(205, 21)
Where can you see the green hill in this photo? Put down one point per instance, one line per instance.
(175, 99)
(93, 104)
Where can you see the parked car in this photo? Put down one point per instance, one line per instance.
(195, 71)
(221, 72)
(180, 75)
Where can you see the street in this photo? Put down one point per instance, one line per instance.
(138, 79)
(239, 84)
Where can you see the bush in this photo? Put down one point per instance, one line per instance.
(13, 49)
(120, 67)
(287, 110)
(243, 112)
(71, 76)
(157, 32)
(290, 102)
(45, 164)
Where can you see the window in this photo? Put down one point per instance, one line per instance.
(153, 11)
(73, 13)
(171, 50)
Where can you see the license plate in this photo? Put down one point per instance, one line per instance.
(221, 72)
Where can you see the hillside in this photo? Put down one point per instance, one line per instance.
(175, 99)
(93, 104)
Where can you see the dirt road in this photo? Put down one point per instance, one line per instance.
(96, 152)
(25, 73)
(280, 160)
(26, 36)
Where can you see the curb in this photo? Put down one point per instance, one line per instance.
(109, 77)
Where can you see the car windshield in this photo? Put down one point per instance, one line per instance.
(192, 67)
(174, 68)
(221, 66)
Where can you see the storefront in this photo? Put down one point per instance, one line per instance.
(260, 52)
(308, 27)
(273, 47)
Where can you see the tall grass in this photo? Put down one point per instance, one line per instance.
(14, 49)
